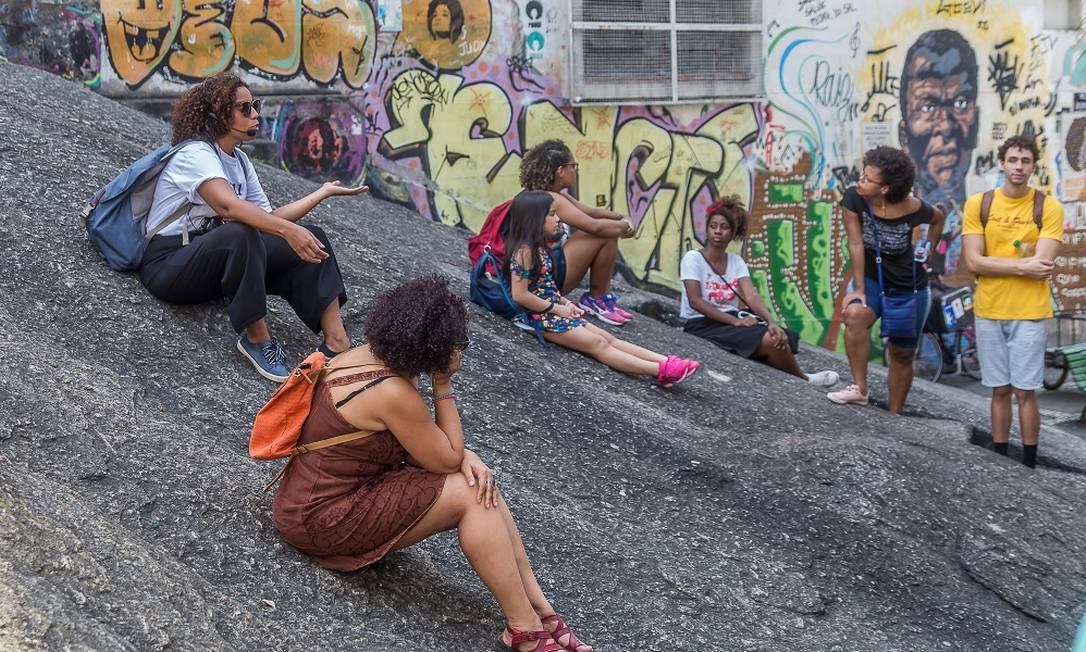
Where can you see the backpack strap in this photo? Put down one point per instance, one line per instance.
(315, 446)
(1039, 210)
(986, 208)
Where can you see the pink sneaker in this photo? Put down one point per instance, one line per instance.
(848, 396)
(674, 370)
(689, 366)
(611, 301)
(600, 309)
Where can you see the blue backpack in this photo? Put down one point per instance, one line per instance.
(489, 290)
(116, 215)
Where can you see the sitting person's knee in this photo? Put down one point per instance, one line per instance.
(598, 344)
(317, 231)
(240, 233)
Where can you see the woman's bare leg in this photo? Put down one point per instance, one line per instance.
(585, 251)
(535, 595)
(487, 545)
(858, 321)
(335, 334)
(587, 339)
(782, 359)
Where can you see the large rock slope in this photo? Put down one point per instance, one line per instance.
(740, 511)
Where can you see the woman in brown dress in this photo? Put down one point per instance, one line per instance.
(351, 504)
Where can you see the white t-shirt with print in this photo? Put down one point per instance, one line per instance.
(695, 268)
(194, 164)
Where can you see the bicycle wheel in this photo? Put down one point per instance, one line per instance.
(928, 363)
(967, 350)
(1055, 370)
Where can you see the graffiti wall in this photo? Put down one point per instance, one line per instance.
(63, 38)
(435, 109)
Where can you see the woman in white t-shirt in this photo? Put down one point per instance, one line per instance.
(720, 304)
(216, 234)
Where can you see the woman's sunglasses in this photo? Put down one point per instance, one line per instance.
(247, 108)
(463, 345)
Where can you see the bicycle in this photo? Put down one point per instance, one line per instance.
(1056, 363)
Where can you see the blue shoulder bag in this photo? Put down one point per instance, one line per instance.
(899, 307)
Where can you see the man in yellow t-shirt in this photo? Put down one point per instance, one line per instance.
(1013, 261)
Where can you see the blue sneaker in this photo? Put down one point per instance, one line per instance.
(601, 310)
(267, 357)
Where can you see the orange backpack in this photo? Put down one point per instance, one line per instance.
(279, 423)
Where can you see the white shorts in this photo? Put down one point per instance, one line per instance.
(1012, 352)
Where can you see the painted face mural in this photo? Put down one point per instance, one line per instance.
(445, 19)
(323, 141)
(138, 34)
(450, 34)
(939, 114)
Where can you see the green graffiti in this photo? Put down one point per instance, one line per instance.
(819, 262)
(781, 243)
(761, 283)
(757, 248)
(782, 267)
(785, 193)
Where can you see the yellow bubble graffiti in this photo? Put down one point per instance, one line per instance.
(269, 34)
(206, 46)
(340, 36)
(195, 39)
(139, 37)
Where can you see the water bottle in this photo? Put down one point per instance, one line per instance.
(922, 251)
(1023, 249)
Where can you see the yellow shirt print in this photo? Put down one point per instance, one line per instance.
(1012, 297)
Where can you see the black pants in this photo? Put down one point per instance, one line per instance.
(244, 265)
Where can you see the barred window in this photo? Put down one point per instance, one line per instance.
(665, 51)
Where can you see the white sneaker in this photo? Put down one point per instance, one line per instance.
(823, 378)
(848, 395)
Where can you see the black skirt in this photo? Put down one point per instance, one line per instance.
(740, 340)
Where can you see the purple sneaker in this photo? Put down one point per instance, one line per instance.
(598, 308)
(611, 301)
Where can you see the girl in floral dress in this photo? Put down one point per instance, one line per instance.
(529, 230)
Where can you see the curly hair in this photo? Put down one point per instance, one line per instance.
(204, 111)
(731, 209)
(540, 163)
(1021, 142)
(896, 168)
(416, 327)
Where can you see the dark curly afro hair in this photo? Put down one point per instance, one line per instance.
(731, 209)
(896, 168)
(204, 111)
(415, 328)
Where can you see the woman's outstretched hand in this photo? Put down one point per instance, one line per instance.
(335, 189)
(481, 477)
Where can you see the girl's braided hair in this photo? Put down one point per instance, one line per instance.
(541, 162)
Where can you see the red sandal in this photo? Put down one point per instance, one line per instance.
(545, 644)
(574, 643)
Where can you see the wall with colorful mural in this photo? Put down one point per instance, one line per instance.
(436, 112)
